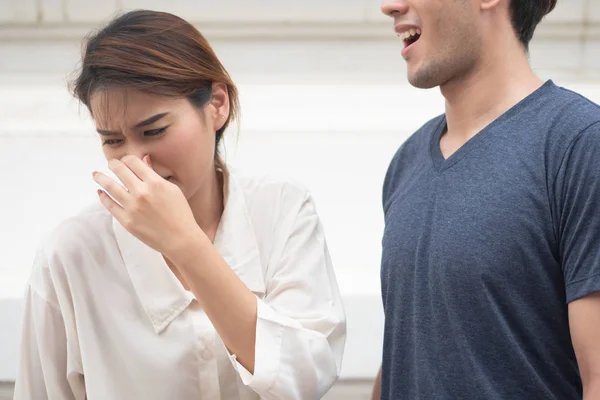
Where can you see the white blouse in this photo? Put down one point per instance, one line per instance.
(105, 318)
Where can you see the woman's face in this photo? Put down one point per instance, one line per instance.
(178, 137)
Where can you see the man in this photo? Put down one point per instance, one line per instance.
(491, 251)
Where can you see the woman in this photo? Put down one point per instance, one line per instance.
(188, 281)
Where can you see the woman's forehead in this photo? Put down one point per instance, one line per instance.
(123, 106)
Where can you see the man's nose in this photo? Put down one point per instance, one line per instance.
(392, 7)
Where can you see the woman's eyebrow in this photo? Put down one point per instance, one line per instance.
(145, 122)
(150, 120)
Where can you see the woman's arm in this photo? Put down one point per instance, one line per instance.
(290, 343)
(42, 372)
(230, 305)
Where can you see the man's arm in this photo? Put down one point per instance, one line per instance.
(377, 387)
(576, 190)
(584, 322)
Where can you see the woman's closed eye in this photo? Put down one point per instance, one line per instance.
(111, 142)
(151, 133)
(155, 132)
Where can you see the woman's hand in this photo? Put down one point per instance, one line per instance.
(151, 208)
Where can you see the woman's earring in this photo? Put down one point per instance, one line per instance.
(222, 117)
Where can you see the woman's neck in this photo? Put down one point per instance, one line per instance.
(207, 205)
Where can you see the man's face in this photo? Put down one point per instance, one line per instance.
(440, 39)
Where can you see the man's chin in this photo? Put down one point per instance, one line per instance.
(423, 80)
(420, 83)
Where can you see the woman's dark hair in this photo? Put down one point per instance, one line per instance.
(156, 53)
(526, 15)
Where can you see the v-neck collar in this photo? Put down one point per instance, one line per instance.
(161, 294)
(440, 163)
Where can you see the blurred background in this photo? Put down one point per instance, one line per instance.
(324, 100)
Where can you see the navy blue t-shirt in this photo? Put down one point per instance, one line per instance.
(483, 251)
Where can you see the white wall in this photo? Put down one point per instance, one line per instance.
(324, 99)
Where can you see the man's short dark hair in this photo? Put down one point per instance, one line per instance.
(526, 15)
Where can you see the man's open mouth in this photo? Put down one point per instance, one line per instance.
(410, 37)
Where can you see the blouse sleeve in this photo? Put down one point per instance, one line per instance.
(44, 369)
(301, 326)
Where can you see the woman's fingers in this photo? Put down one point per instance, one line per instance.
(111, 187)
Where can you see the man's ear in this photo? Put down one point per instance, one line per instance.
(489, 4)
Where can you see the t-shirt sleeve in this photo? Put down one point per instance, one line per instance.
(577, 188)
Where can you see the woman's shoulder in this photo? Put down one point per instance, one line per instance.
(85, 229)
(66, 248)
(271, 191)
(274, 207)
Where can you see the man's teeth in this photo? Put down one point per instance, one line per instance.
(409, 34)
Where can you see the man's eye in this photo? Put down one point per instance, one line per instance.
(111, 142)
(155, 132)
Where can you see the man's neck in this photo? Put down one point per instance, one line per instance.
(498, 83)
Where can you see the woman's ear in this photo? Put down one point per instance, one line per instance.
(220, 105)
